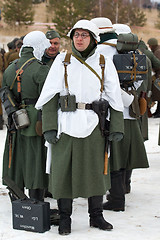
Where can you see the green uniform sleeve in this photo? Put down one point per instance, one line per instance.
(50, 114)
(155, 62)
(3, 80)
(116, 121)
(41, 76)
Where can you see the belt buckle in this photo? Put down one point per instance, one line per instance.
(81, 106)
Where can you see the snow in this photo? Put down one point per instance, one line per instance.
(140, 221)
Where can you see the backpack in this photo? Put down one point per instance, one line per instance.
(130, 63)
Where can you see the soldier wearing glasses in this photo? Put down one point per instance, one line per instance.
(73, 130)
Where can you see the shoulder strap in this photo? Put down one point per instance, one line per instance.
(18, 72)
(66, 62)
(83, 62)
(139, 51)
(110, 44)
(102, 64)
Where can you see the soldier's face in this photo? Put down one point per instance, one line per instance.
(81, 39)
(54, 48)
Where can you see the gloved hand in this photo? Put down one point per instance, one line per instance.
(50, 136)
(115, 136)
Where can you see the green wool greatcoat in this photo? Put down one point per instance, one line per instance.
(129, 153)
(78, 169)
(28, 161)
(79, 158)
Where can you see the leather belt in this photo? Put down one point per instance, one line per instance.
(84, 106)
(30, 101)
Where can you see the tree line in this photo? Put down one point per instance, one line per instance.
(67, 12)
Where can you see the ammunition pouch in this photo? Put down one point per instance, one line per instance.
(138, 106)
(101, 108)
(8, 100)
(68, 103)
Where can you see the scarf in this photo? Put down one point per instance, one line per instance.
(107, 36)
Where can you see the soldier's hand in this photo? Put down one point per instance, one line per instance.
(51, 136)
(115, 136)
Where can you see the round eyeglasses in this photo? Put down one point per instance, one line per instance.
(83, 35)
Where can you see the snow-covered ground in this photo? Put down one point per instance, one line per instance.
(140, 221)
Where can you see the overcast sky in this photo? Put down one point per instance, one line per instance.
(155, 1)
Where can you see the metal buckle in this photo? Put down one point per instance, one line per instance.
(81, 106)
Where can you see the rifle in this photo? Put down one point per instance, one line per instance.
(14, 191)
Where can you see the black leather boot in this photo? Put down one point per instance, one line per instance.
(128, 181)
(54, 217)
(95, 212)
(116, 198)
(47, 194)
(37, 194)
(65, 211)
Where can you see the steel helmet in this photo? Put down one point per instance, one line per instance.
(86, 25)
(152, 42)
(104, 24)
(38, 41)
(121, 28)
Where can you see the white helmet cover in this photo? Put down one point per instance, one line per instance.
(86, 25)
(121, 28)
(104, 24)
(38, 41)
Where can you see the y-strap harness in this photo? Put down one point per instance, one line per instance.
(18, 75)
(66, 62)
(88, 106)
